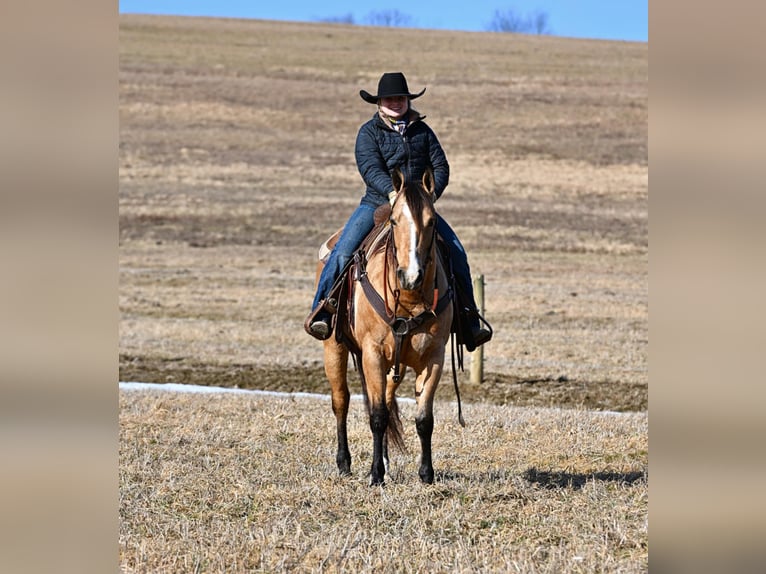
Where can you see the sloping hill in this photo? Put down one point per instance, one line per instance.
(236, 160)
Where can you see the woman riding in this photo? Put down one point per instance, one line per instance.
(395, 137)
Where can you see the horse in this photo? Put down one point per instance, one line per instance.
(398, 316)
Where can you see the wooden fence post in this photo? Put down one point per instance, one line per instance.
(477, 357)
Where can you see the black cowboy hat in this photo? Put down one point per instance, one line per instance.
(391, 84)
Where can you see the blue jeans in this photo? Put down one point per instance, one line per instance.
(459, 260)
(356, 229)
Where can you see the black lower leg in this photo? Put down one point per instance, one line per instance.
(340, 410)
(378, 425)
(425, 427)
(343, 457)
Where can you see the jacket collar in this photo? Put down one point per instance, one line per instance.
(412, 115)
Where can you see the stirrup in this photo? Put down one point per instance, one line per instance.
(317, 326)
(320, 329)
(480, 336)
(475, 337)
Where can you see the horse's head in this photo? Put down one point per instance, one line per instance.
(413, 225)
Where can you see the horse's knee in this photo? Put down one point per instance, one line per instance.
(379, 418)
(340, 402)
(424, 423)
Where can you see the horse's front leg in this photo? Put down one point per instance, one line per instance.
(375, 379)
(336, 369)
(425, 390)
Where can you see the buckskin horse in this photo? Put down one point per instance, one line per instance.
(397, 315)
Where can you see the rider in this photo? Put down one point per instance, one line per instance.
(395, 137)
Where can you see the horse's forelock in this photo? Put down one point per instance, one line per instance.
(416, 199)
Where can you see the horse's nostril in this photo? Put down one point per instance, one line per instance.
(407, 282)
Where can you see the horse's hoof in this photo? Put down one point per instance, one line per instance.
(377, 481)
(427, 477)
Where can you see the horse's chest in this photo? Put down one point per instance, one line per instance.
(421, 343)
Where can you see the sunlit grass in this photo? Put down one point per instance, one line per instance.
(241, 483)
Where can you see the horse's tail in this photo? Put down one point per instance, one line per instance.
(394, 429)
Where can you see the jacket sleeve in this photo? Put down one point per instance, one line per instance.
(369, 160)
(439, 164)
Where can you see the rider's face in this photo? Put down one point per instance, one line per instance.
(395, 106)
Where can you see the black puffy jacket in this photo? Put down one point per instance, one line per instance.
(380, 149)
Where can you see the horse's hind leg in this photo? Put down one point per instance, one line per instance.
(336, 369)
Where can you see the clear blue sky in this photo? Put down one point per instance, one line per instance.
(604, 19)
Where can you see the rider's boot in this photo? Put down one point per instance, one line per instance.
(318, 324)
(475, 333)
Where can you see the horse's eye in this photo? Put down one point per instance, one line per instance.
(392, 222)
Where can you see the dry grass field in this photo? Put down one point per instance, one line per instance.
(249, 484)
(236, 161)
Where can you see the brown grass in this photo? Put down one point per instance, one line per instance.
(242, 484)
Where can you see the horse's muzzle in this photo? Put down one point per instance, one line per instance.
(407, 282)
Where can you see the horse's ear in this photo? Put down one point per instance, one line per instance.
(428, 181)
(398, 179)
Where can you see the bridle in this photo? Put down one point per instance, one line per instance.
(401, 326)
(391, 244)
